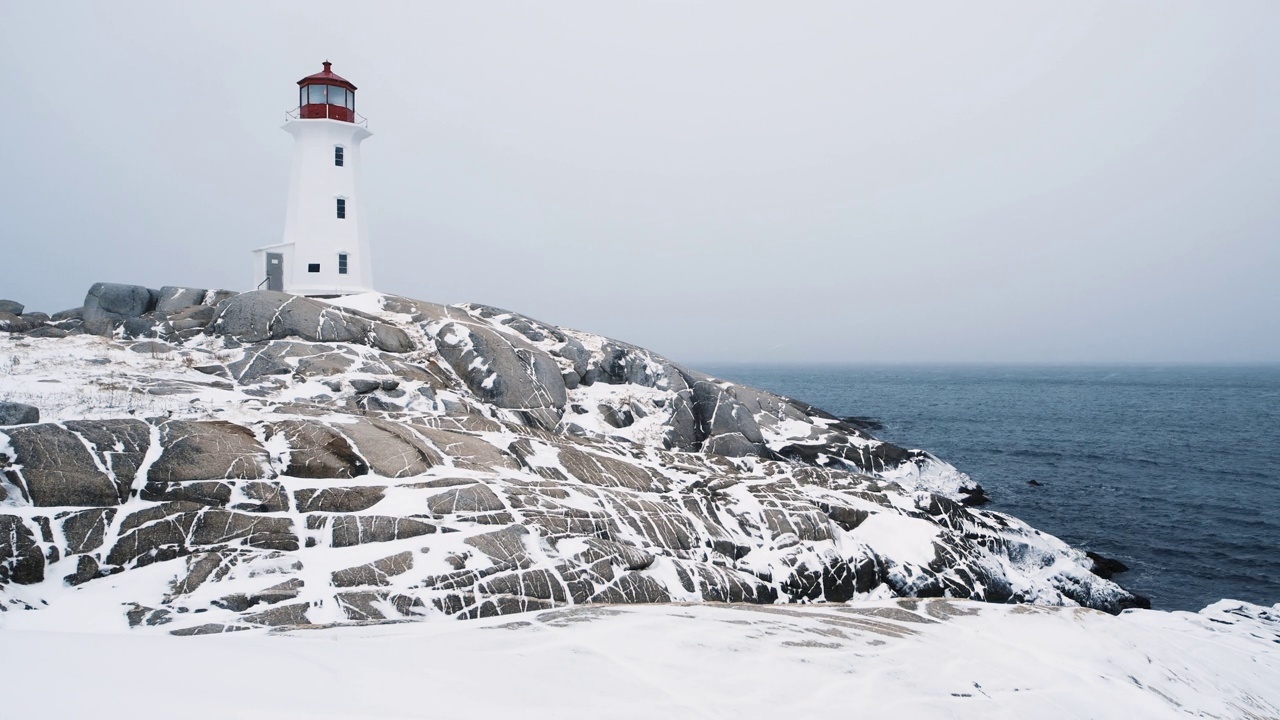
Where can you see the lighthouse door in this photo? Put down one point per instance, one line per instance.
(275, 272)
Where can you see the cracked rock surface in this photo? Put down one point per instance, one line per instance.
(294, 462)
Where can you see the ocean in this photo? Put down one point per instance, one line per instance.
(1174, 471)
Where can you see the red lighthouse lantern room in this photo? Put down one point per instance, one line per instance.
(326, 95)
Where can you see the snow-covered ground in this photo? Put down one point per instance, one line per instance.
(902, 659)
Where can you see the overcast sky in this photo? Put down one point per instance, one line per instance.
(825, 182)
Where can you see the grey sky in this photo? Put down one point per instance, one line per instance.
(835, 182)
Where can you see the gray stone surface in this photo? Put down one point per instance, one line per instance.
(202, 492)
(606, 471)
(208, 450)
(264, 315)
(467, 451)
(85, 530)
(718, 411)
(367, 605)
(733, 445)
(350, 530)
(339, 499)
(318, 451)
(21, 560)
(12, 413)
(120, 446)
(171, 530)
(12, 307)
(115, 301)
(505, 370)
(214, 297)
(506, 545)
(47, 331)
(239, 602)
(57, 468)
(377, 572)
(470, 499)
(261, 496)
(12, 323)
(391, 450)
(295, 614)
(196, 316)
(173, 299)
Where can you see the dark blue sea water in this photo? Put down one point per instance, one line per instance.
(1173, 470)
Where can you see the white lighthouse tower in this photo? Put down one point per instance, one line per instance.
(325, 249)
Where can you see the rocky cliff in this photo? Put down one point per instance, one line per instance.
(209, 461)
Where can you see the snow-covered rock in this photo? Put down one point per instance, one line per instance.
(288, 461)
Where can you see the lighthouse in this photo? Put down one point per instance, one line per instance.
(325, 248)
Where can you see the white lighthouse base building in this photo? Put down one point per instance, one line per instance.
(325, 248)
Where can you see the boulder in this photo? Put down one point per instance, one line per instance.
(12, 307)
(265, 315)
(47, 331)
(192, 317)
(171, 530)
(633, 588)
(504, 546)
(143, 326)
(113, 301)
(239, 602)
(21, 560)
(17, 323)
(154, 348)
(317, 451)
(207, 629)
(627, 556)
(351, 530)
(392, 450)
(733, 445)
(71, 314)
(213, 297)
(101, 326)
(295, 614)
(507, 371)
(719, 412)
(208, 450)
(374, 573)
(471, 499)
(467, 451)
(201, 492)
(537, 584)
(173, 299)
(57, 469)
(606, 471)
(12, 413)
(339, 499)
(365, 605)
(120, 445)
(85, 530)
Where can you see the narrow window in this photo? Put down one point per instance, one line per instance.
(313, 267)
(342, 263)
(342, 208)
(337, 155)
(315, 94)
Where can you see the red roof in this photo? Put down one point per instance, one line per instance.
(326, 77)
